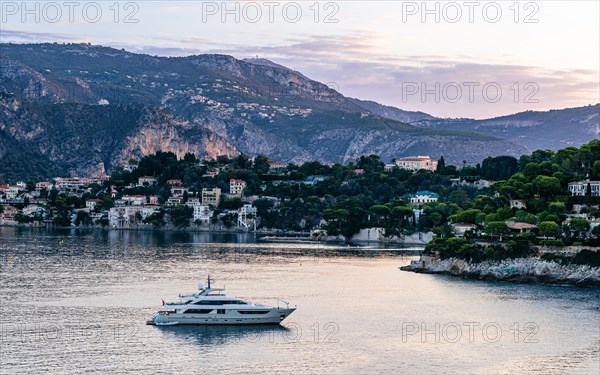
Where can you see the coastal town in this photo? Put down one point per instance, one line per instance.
(255, 194)
(28, 203)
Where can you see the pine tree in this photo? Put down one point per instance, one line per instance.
(441, 166)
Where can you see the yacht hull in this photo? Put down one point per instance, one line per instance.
(275, 316)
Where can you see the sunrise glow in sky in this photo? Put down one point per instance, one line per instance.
(450, 59)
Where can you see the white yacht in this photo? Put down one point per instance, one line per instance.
(212, 306)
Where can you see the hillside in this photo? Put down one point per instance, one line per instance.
(393, 113)
(253, 106)
(554, 129)
(90, 139)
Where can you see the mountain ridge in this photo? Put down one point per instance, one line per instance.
(553, 129)
(255, 107)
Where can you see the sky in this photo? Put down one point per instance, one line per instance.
(475, 59)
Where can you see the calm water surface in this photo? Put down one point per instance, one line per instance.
(76, 302)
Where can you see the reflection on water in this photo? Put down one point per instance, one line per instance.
(74, 301)
(221, 335)
(133, 237)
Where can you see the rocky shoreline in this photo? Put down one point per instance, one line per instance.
(521, 270)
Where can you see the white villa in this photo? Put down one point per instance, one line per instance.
(423, 196)
(415, 163)
(202, 213)
(580, 187)
(146, 180)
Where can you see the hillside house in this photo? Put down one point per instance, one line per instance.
(461, 228)
(236, 187)
(415, 163)
(277, 165)
(174, 182)
(90, 204)
(580, 188)
(211, 197)
(422, 196)
(9, 214)
(177, 191)
(519, 204)
(520, 227)
(134, 200)
(174, 201)
(42, 185)
(202, 213)
(192, 201)
(146, 181)
(33, 210)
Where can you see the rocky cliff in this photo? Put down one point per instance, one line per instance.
(522, 270)
(89, 139)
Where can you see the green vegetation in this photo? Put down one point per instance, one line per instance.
(180, 216)
(540, 182)
(589, 257)
(348, 201)
(361, 194)
(156, 219)
(461, 248)
(20, 163)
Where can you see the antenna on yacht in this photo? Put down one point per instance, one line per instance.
(208, 281)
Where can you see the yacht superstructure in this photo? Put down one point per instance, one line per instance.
(213, 306)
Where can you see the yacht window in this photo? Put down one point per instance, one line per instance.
(220, 311)
(208, 302)
(180, 302)
(253, 311)
(197, 311)
(223, 302)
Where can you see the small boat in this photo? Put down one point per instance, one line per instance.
(213, 306)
